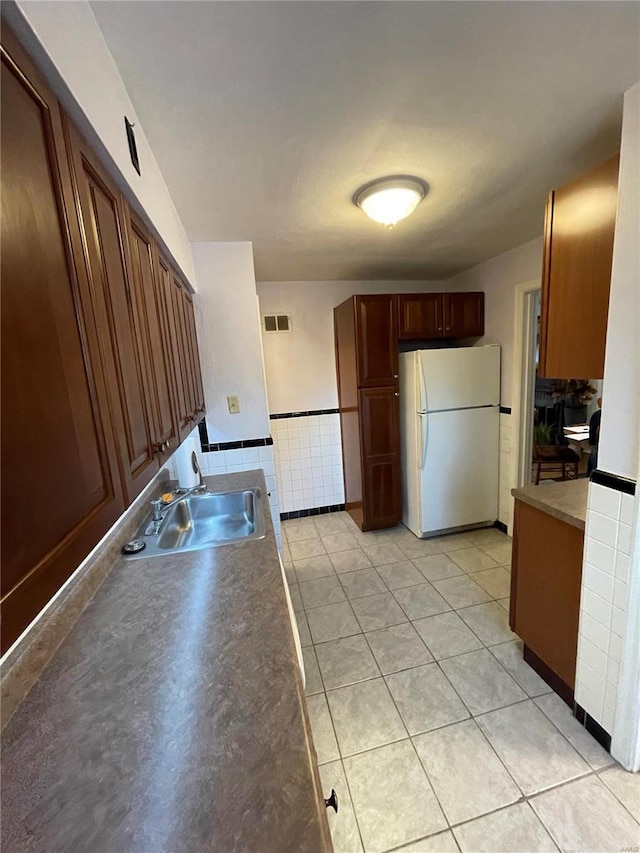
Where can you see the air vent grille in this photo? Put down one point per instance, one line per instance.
(276, 322)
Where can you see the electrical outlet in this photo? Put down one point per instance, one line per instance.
(234, 405)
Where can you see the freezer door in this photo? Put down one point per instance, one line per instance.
(459, 468)
(460, 378)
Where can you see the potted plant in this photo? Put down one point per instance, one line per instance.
(574, 394)
(545, 435)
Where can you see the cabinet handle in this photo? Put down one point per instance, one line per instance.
(396, 393)
(448, 329)
(332, 802)
(160, 448)
(395, 376)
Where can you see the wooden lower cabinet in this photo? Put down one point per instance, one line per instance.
(546, 577)
(381, 465)
(61, 487)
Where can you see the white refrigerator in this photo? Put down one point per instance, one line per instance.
(450, 416)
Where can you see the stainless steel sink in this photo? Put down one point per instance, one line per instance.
(207, 520)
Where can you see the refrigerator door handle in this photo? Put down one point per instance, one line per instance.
(423, 430)
(422, 390)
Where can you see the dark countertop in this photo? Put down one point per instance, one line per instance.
(172, 717)
(565, 500)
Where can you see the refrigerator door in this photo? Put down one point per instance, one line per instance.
(459, 468)
(460, 378)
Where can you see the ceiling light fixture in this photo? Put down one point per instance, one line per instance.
(388, 200)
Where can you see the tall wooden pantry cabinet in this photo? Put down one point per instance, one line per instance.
(367, 369)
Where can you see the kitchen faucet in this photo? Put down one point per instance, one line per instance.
(159, 507)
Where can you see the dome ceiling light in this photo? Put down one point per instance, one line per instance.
(388, 200)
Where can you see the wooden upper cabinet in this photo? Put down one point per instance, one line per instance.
(463, 315)
(376, 323)
(420, 316)
(187, 363)
(151, 298)
(576, 275)
(61, 488)
(440, 315)
(118, 307)
(192, 341)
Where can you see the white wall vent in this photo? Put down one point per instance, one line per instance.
(276, 322)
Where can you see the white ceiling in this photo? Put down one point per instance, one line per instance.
(265, 117)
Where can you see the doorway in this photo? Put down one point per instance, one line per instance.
(550, 428)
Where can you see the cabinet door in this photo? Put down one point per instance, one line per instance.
(150, 296)
(420, 316)
(182, 357)
(545, 603)
(120, 324)
(192, 341)
(576, 276)
(380, 448)
(60, 485)
(173, 337)
(463, 315)
(377, 339)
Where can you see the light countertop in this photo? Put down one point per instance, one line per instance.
(566, 500)
(172, 717)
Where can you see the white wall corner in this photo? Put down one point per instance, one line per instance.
(228, 328)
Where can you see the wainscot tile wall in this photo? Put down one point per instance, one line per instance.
(505, 500)
(308, 458)
(241, 458)
(603, 602)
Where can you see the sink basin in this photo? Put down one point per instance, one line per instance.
(206, 521)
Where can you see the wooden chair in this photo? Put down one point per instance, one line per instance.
(555, 459)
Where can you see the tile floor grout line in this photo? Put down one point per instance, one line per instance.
(589, 771)
(353, 806)
(410, 736)
(602, 770)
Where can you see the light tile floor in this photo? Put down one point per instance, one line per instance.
(435, 733)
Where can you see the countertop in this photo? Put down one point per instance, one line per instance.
(172, 717)
(566, 500)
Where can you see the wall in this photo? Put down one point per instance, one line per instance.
(301, 377)
(300, 365)
(498, 278)
(65, 40)
(608, 669)
(619, 433)
(228, 328)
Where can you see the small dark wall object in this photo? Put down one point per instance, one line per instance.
(133, 149)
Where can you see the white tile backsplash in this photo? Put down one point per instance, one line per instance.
(308, 461)
(603, 603)
(604, 500)
(505, 500)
